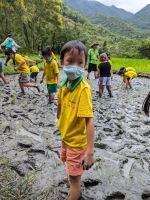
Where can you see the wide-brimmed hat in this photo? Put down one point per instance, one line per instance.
(94, 43)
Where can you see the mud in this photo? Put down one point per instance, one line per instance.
(30, 138)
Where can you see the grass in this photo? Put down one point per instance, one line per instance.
(141, 65)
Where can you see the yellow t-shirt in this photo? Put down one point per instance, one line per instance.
(51, 71)
(53, 56)
(34, 68)
(130, 73)
(76, 105)
(24, 69)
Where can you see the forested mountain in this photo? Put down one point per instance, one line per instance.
(87, 8)
(119, 26)
(142, 18)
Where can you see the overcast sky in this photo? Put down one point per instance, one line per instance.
(128, 5)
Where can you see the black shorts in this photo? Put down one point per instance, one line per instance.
(92, 67)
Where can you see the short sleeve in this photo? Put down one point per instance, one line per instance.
(55, 67)
(19, 58)
(59, 96)
(85, 103)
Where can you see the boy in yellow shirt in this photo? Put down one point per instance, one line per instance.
(34, 72)
(75, 116)
(21, 66)
(51, 72)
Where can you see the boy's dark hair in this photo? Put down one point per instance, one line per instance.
(8, 51)
(146, 105)
(10, 35)
(121, 72)
(122, 68)
(47, 51)
(74, 44)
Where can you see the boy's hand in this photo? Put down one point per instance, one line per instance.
(41, 81)
(15, 68)
(88, 161)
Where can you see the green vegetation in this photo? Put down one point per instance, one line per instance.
(141, 65)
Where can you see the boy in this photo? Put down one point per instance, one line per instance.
(75, 116)
(128, 74)
(51, 72)
(21, 66)
(34, 72)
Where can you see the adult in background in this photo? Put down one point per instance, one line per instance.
(104, 75)
(93, 57)
(9, 43)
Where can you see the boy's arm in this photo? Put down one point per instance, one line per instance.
(58, 80)
(58, 111)
(29, 60)
(88, 160)
(98, 73)
(20, 65)
(42, 77)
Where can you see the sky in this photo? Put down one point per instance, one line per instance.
(128, 5)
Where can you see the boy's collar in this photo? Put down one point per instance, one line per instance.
(73, 85)
(51, 59)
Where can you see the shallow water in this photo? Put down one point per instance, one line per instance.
(29, 135)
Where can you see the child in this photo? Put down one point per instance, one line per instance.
(24, 78)
(146, 104)
(34, 72)
(104, 74)
(51, 72)
(75, 116)
(128, 74)
(2, 76)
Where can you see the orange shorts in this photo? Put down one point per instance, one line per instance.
(73, 160)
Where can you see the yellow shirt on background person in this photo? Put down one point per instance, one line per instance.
(34, 68)
(130, 73)
(24, 69)
(51, 71)
(76, 105)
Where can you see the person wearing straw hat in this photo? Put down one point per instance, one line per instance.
(92, 59)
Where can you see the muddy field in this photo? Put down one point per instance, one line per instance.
(30, 139)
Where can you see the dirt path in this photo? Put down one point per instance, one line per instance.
(29, 136)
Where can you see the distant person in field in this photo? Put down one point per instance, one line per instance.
(2, 76)
(10, 43)
(146, 104)
(104, 75)
(128, 74)
(21, 66)
(51, 72)
(93, 56)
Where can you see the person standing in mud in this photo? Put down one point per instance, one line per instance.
(104, 75)
(93, 57)
(146, 104)
(75, 118)
(51, 72)
(24, 78)
(10, 43)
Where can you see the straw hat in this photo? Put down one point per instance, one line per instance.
(94, 43)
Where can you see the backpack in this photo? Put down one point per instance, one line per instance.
(9, 44)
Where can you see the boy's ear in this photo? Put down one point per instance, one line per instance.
(61, 62)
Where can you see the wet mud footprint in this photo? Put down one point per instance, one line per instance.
(116, 196)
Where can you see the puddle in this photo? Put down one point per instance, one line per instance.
(23, 132)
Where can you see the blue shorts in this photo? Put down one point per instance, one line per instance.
(1, 68)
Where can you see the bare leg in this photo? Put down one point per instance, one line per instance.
(88, 74)
(51, 97)
(101, 89)
(22, 88)
(3, 78)
(95, 74)
(29, 85)
(75, 185)
(109, 90)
